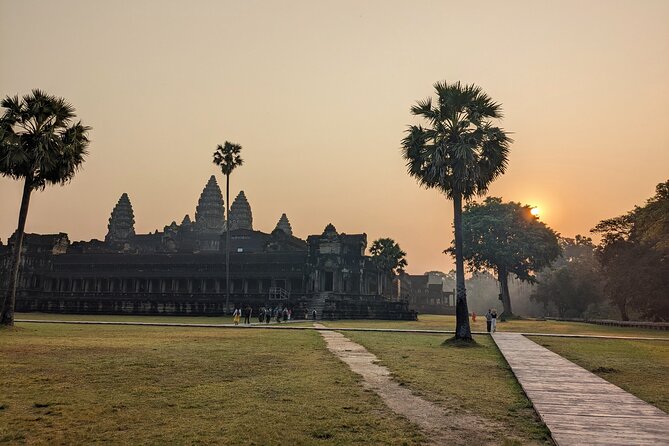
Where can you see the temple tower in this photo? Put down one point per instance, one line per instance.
(284, 225)
(122, 222)
(210, 213)
(240, 213)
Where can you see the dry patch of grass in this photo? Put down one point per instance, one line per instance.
(64, 384)
(461, 380)
(639, 367)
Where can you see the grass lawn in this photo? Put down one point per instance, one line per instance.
(639, 367)
(439, 322)
(69, 384)
(476, 380)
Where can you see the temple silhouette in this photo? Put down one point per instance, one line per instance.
(181, 269)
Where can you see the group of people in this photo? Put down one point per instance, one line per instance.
(278, 314)
(267, 314)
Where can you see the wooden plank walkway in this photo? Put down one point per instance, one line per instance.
(579, 407)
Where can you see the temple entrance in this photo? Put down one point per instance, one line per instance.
(329, 281)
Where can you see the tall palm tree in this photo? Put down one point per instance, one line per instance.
(227, 157)
(39, 143)
(459, 152)
(388, 258)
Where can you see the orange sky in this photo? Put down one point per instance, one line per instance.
(318, 94)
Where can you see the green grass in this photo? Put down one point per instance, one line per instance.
(70, 384)
(475, 380)
(439, 322)
(639, 367)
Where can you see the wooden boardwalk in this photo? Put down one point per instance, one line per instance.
(579, 407)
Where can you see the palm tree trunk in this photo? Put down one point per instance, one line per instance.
(227, 243)
(462, 329)
(503, 278)
(9, 300)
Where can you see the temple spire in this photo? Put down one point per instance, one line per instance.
(284, 225)
(121, 225)
(240, 213)
(210, 214)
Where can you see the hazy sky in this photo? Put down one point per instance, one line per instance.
(318, 94)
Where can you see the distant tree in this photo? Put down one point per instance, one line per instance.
(228, 158)
(634, 254)
(388, 258)
(459, 153)
(507, 239)
(41, 145)
(571, 285)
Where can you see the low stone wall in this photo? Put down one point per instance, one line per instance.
(146, 304)
(366, 307)
(615, 323)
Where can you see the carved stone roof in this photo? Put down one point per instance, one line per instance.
(284, 225)
(330, 230)
(121, 225)
(210, 213)
(240, 213)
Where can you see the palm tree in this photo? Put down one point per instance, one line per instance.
(39, 143)
(459, 153)
(388, 258)
(227, 158)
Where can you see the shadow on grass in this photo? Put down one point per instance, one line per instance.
(461, 343)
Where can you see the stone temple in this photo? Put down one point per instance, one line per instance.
(181, 269)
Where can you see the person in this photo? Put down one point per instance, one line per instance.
(473, 316)
(306, 314)
(247, 314)
(313, 313)
(290, 313)
(277, 314)
(493, 316)
(268, 315)
(236, 315)
(488, 320)
(285, 314)
(261, 315)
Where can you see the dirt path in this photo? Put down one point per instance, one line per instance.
(440, 426)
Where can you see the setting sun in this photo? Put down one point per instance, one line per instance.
(535, 212)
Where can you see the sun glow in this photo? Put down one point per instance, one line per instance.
(535, 211)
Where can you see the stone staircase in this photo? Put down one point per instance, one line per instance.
(318, 303)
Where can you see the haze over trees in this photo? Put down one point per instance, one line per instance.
(507, 239)
(459, 152)
(572, 284)
(42, 145)
(634, 257)
(227, 157)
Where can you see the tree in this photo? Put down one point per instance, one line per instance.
(228, 158)
(388, 257)
(571, 284)
(40, 144)
(634, 254)
(459, 153)
(507, 239)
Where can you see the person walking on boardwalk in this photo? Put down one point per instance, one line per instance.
(313, 313)
(236, 315)
(268, 315)
(261, 315)
(488, 320)
(493, 325)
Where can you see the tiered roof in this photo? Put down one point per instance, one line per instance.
(121, 222)
(210, 214)
(240, 213)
